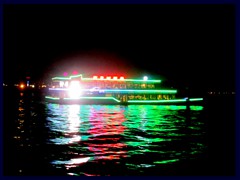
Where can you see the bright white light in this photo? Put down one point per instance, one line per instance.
(61, 83)
(74, 90)
(66, 84)
(145, 78)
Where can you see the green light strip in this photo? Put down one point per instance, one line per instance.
(131, 101)
(140, 91)
(66, 78)
(158, 101)
(76, 76)
(61, 78)
(53, 98)
(196, 99)
(88, 79)
(166, 161)
(94, 98)
(91, 79)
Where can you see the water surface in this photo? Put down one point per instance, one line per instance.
(102, 140)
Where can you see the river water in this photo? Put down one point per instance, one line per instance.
(41, 138)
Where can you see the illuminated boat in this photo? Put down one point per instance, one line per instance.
(77, 89)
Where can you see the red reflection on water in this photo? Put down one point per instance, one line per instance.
(106, 128)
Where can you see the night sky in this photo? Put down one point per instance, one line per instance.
(184, 45)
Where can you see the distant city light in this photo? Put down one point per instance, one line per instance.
(22, 86)
(65, 74)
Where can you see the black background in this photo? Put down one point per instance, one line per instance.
(184, 45)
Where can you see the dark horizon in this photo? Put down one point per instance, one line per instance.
(184, 45)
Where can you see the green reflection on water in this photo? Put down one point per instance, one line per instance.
(155, 126)
(166, 161)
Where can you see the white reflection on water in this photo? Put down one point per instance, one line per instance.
(68, 125)
(73, 161)
(74, 118)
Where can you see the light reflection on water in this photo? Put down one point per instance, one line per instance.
(136, 136)
(52, 139)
